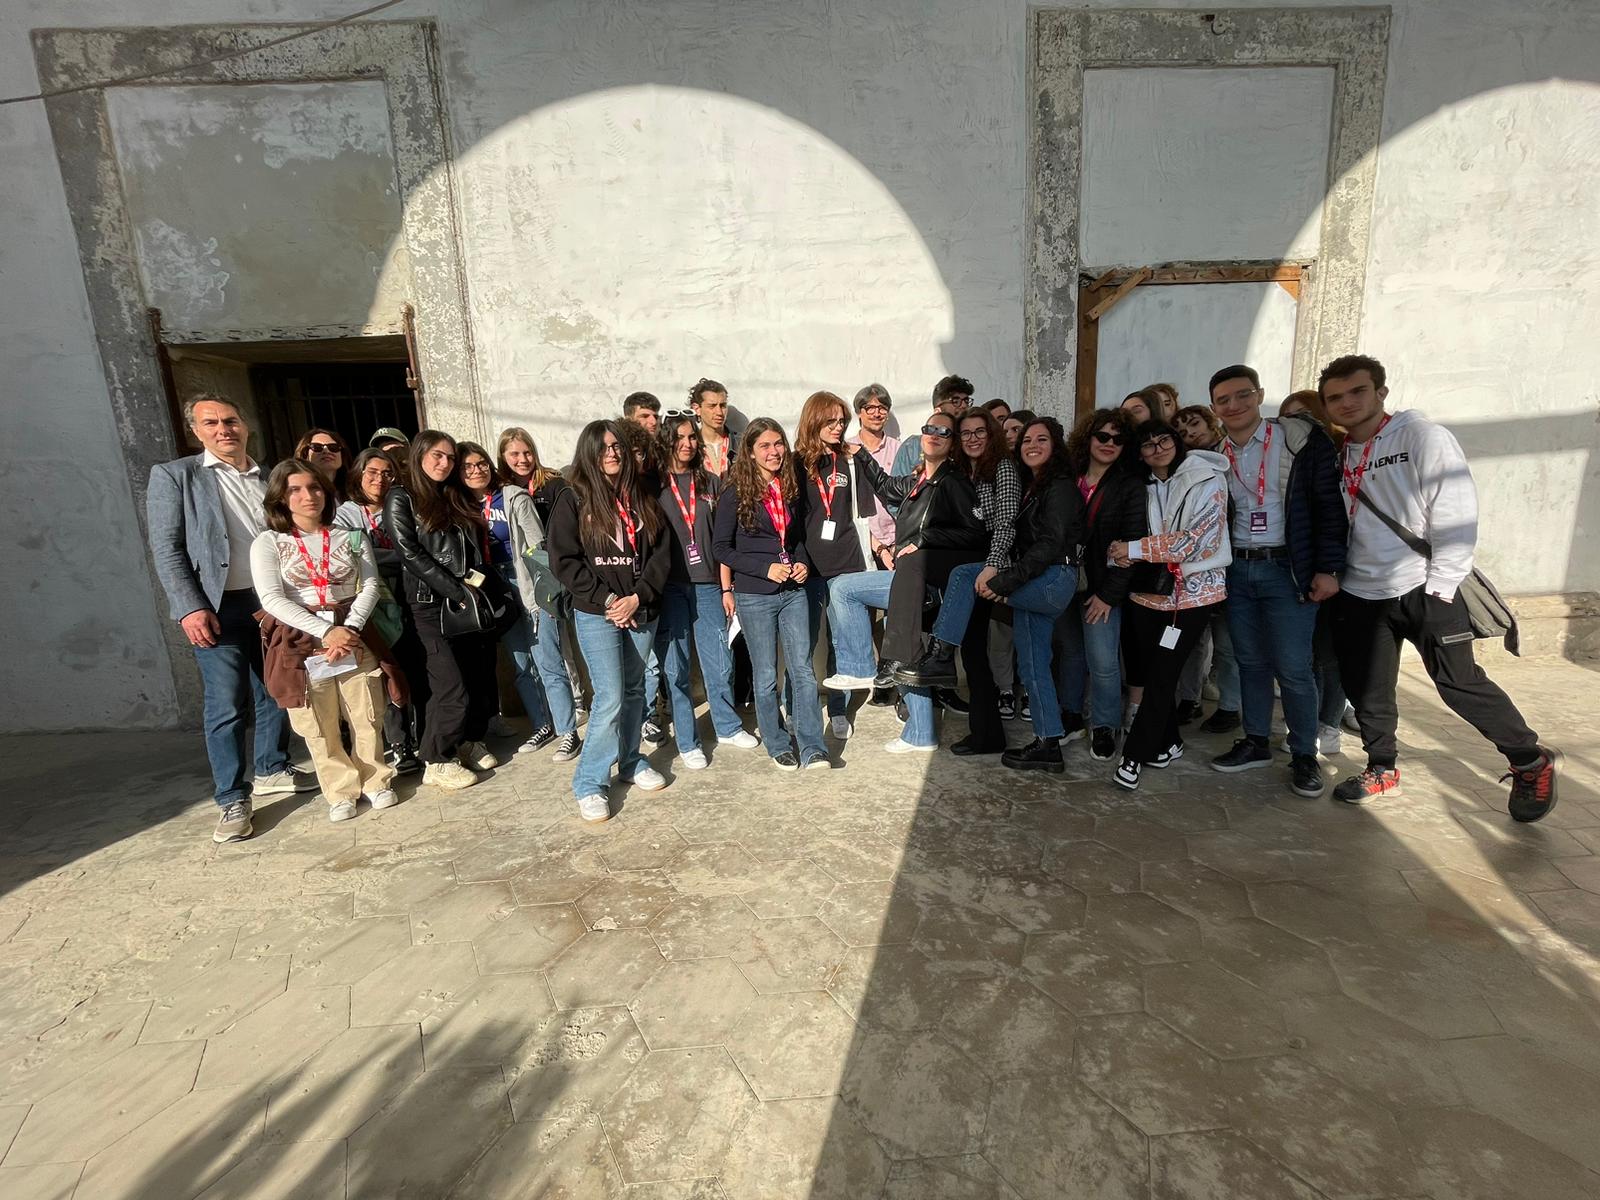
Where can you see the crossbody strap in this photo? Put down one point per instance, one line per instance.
(1417, 545)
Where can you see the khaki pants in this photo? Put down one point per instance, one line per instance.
(358, 697)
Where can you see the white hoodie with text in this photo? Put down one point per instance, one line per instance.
(1418, 475)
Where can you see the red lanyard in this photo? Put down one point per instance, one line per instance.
(629, 526)
(686, 512)
(826, 495)
(488, 523)
(323, 581)
(922, 481)
(779, 512)
(1261, 476)
(379, 537)
(717, 462)
(1352, 479)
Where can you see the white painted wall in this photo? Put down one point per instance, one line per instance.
(879, 148)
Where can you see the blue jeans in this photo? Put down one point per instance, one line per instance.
(519, 641)
(955, 610)
(552, 668)
(230, 673)
(782, 618)
(693, 611)
(919, 729)
(816, 604)
(850, 601)
(1035, 606)
(615, 658)
(1272, 630)
(1097, 650)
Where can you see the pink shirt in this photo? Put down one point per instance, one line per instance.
(881, 522)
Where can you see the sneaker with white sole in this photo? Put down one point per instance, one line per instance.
(1328, 739)
(1127, 774)
(568, 747)
(653, 732)
(342, 811)
(1167, 757)
(283, 783)
(694, 760)
(594, 809)
(647, 779)
(541, 738)
(848, 683)
(817, 760)
(384, 799)
(477, 756)
(743, 740)
(901, 746)
(233, 824)
(451, 776)
(786, 761)
(841, 727)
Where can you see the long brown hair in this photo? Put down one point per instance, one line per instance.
(275, 502)
(745, 476)
(358, 470)
(439, 505)
(541, 473)
(597, 515)
(340, 478)
(814, 414)
(667, 452)
(986, 464)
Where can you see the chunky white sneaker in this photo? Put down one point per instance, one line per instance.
(647, 779)
(842, 729)
(1127, 774)
(1328, 737)
(448, 775)
(383, 799)
(283, 783)
(743, 740)
(848, 683)
(342, 811)
(477, 756)
(695, 760)
(901, 746)
(594, 808)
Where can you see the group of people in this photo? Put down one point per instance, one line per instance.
(1089, 582)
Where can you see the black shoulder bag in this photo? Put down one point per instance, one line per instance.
(1487, 612)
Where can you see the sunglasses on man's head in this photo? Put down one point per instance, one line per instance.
(940, 431)
(1107, 439)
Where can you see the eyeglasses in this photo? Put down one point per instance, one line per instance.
(841, 422)
(972, 435)
(1107, 439)
(1157, 444)
(938, 431)
(874, 408)
(611, 448)
(323, 448)
(474, 468)
(1238, 397)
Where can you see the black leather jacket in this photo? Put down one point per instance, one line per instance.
(1049, 532)
(941, 516)
(1116, 513)
(434, 560)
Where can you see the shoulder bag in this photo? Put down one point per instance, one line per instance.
(386, 618)
(1487, 612)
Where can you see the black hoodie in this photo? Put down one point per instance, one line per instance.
(616, 571)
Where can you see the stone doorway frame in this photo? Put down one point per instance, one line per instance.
(1064, 43)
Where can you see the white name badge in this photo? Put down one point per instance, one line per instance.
(1169, 638)
(829, 528)
(1258, 521)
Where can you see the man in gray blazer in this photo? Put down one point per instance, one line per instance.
(203, 512)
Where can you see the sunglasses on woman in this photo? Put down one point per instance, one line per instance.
(939, 431)
(1107, 439)
(323, 448)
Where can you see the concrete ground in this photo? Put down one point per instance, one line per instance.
(916, 978)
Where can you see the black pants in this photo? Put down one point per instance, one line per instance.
(983, 717)
(1367, 636)
(907, 615)
(463, 691)
(1156, 668)
(402, 727)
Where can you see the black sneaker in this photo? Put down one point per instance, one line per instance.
(1372, 782)
(1127, 774)
(786, 761)
(1071, 726)
(1245, 755)
(1166, 757)
(1008, 706)
(568, 747)
(1224, 720)
(1188, 712)
(1305, 777)
(936, 668)
(882, 697)
(817, 761)
(541, 738)
(652, 732)
(404, 761)
(1533, 789)
(884, 679)
(1041, 754)
(1103, 743)
(1025, 708)
(951, 701)
(969, 746)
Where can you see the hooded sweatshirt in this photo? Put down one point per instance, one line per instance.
(1418, 475)
(1188, 515)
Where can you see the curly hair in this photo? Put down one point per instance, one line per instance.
(1089, 424)
(808, 444)
(703, 386)
(1205, 414)
(667, 448)
(745, 476)
(984, 466)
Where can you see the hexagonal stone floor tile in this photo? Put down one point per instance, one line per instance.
(789, 954)
(679, 1114)
(603, 967)
(1143, 929)
(553, 1160)
(891, 987)
(1159, 1080)
(527, 938)
(915, 1093)
(424, 1139)
(1053, 1137)
(694, 927)
(691, 1004)
(1083, 971)
(181, 1149)
(1201, 1166)
(873, 913)
(574, 1063)
(333, 1093)
(1008, 1027)
(1221, 1012)
(803, 1150)
(792, 1044)
(625, 901)
(1468, 1156)
(274, 1038)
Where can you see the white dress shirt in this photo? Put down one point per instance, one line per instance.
(242, 495)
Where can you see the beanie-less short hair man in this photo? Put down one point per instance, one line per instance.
(1415, 473)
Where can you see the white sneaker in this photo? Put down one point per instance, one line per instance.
(743, 740)
(383, 799)
(848, 683)
(1328, 737)
(695, 760)
(842, 729)
(477, 756)
(594, 808)
(901, 746)
(647, 779)
(448, 775)
(342, 811)
(283, 783)
(500, 727)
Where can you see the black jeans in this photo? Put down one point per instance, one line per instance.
(1156, 668)
(906, 616)
(983, 716)
(463, 691)
(1367, 636)
(402, 727)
